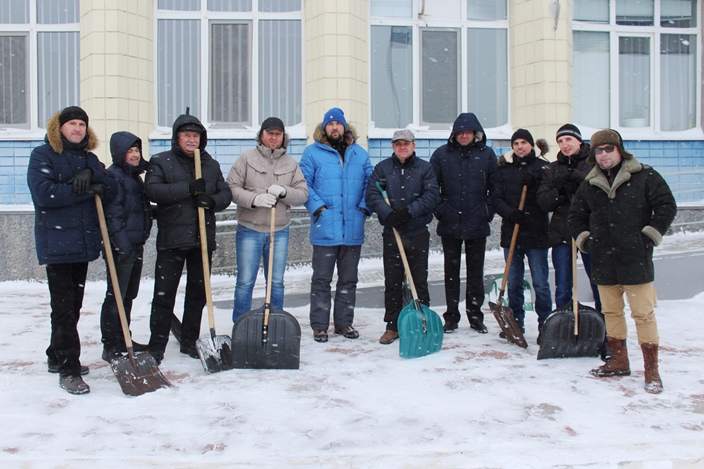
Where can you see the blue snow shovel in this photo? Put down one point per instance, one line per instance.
(420, 329)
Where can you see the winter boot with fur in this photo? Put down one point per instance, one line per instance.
(617, 364)
(653, 384)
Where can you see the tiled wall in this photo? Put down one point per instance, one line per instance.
(680, 162)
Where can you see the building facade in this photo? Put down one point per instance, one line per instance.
(632, 65)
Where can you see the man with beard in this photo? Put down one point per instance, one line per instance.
(336, 170)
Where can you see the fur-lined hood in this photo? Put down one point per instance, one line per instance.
(350, 134)
(53, 135)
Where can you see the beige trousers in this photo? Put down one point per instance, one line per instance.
(641, 299)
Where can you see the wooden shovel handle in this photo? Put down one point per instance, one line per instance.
(511, 250)
(204, 252)
(575, 300)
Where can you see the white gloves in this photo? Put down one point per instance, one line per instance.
(264, 200)
(276, 190)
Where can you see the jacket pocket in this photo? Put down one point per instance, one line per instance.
(322, 226)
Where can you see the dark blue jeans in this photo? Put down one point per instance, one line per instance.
(325, 258)
(538, 264)
(562, 263)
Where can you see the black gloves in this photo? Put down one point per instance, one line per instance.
(516, 217)
(571, 186)
(317, 213)
(197, 186)
(529, 180)
(99, 189)
(204, 200)
(81, 181)
(398, 217)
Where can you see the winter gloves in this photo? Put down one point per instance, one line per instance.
(516, 217)
(529, 180)
(98, 189)
(204, 200)
(276, 190)
(265, 200)
(81, 181)
(197, 186)
(398, 218)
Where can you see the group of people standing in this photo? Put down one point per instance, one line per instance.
(463, 185)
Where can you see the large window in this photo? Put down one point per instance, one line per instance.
(432, 60)
(208, 53)
(39, 60)
(636, 64)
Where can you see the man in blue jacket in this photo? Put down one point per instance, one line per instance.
(467, 174)
(413, 195)
(63, 177)
(336, 171)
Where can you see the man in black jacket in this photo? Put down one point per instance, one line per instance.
(413, 194)
(172, 185)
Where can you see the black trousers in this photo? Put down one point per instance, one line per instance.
(474, 259)
(325, 258)
(416, 249)
(167, 275)
(66, 287)
(129, 273)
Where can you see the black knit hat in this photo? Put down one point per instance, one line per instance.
(72, 112)
(271, 123)
(569, 129)
(524, 134)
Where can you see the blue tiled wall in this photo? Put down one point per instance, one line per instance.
(680, 162)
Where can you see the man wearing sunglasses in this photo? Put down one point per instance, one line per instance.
(619, 214)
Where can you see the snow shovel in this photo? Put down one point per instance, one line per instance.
(504, 314)
(420, 330)
(573, 330)
(215, 352)
(137, 374)
(267, 337)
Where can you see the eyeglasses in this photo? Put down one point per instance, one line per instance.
(609, 149)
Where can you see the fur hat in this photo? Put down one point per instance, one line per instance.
(335, 115)
(522, 134)
(607, 137)
(569, 129)
(71, 113)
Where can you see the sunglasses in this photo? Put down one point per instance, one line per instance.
(609, 149)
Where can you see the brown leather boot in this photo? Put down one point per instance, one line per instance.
(653, 384)
(618, 364)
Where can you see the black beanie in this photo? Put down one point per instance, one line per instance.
(524, 134)
(569, 129)
(71, 113)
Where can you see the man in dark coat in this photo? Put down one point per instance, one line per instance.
(413, 194)
(129, 222)
(560, 181)
(63, 177)
(171, 183)
(467, 174)
(521, 168)
(619, 214)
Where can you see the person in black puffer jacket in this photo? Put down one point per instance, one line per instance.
(171, 183)
(129, 222)
(521, 168)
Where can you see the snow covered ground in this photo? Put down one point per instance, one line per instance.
(480, 402)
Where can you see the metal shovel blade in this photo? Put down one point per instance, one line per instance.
(508, 324)
(276, 346)
(420, 332)
(215, 353)
(138, 374)
(557, 338)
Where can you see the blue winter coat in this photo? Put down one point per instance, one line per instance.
(128, 215)
(340, 186)
(66, 228)
(467, 177)
(412, 185)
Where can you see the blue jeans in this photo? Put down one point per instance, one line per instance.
(562, 263)
(538, 264)
(253, 247)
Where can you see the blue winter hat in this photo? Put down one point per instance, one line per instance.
(335, 114)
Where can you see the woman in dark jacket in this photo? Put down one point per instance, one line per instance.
(129, 222)
(518, 168)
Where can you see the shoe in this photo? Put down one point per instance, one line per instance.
(503, 336)
(53, 367)
(73, 384)
(478, 326)
(388, 337)
(320, 336)
(348, 332)
(190, 350)
(111, 353)
(158, 356)
(449, 327)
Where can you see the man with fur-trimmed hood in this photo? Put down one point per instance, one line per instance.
(63, 177)
(620, 212)
(260, 179)
(337, 170)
